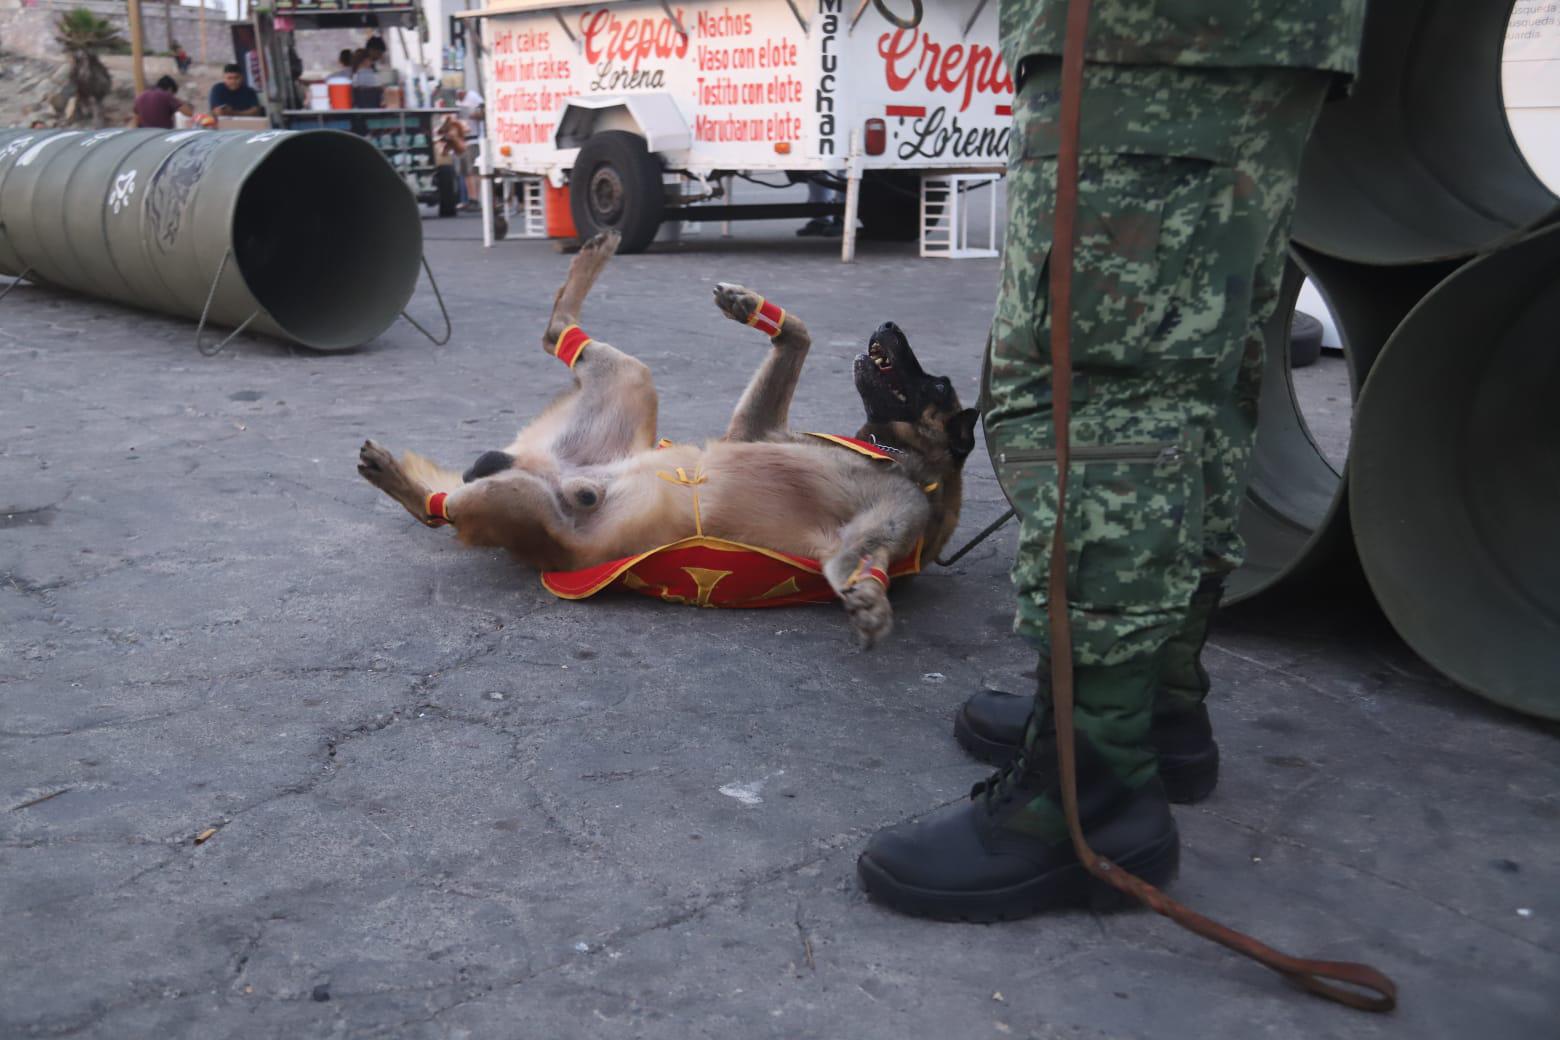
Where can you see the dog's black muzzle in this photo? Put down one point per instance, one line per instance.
(487, 464)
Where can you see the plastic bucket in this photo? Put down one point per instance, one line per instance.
(555, 205)
(340, 94)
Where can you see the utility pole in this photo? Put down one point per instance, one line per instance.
(203, 32)
(137, 49)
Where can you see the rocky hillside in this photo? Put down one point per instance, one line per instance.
(29, 89)
(35, 90)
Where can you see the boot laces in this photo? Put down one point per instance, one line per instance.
(998, 789)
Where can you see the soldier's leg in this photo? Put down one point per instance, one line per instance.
(1162, 291)
(1268, 164)
(1155, 280)
(1264, 156)
(1133, 544)
(1227, 445)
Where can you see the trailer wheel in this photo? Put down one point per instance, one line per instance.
(616, 184)
(890, 206)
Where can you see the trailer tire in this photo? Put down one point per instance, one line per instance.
(890, 206)
(616, 185)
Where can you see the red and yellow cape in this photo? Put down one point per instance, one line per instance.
(711, 572)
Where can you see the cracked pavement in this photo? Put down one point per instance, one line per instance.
(446, 804)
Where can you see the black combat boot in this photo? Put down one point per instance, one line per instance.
(1005, 853)
(990, 724)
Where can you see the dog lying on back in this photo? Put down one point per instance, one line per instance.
(585, 483)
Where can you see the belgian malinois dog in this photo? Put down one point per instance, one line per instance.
(585, 483)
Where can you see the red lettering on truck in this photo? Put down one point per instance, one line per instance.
(960, 69)
(610, 38)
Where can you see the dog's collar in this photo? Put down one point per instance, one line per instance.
(876, 449)
(880, 446)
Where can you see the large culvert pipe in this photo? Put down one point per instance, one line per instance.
(1418, 163)
(1295, 517)
(1455, 476)
(316, 236)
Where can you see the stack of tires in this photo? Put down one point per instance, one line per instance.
(1437, 250)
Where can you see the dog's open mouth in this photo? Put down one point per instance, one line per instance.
(886, 376)
(879, 356)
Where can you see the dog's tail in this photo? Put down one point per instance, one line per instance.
(430, 474)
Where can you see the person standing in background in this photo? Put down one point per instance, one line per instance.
(363, 72)
(472, 113)
(449, 147)
(156, 106)
(378, 54)
(825, 227)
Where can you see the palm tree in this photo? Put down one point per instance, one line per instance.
(83, 34)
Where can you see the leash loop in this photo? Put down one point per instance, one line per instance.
(1352, 985)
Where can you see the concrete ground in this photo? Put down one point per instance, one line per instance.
(446, 804)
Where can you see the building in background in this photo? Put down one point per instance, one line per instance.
(1530, 85)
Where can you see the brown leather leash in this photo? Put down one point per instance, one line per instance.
(1353, 985)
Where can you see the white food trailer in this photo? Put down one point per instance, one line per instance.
(645, 110)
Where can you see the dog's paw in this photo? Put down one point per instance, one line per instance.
(600, 246)
(736, 302)
(871, 618)
(376, 465)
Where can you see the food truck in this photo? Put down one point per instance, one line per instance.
(644, 111)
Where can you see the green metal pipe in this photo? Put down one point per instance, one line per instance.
(1455, 476)
(1419, 164)
(314, 233)
(1295, 516)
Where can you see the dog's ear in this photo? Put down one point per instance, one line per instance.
(961, 432)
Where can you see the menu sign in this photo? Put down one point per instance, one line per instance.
(759, 84)
(736, 72)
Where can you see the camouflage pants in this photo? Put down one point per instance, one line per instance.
(1187, 184)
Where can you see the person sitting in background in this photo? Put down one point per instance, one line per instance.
(344, 63)
(181, 58)
(234, 97)
(155, 108)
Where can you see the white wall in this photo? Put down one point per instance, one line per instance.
(1530, 80)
